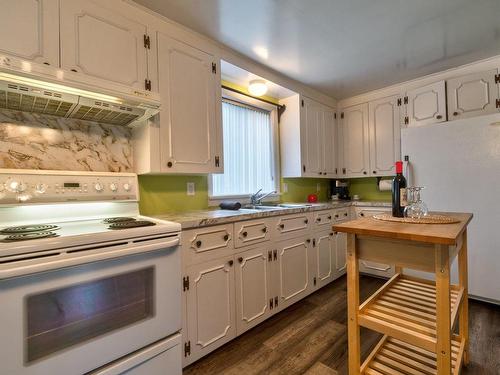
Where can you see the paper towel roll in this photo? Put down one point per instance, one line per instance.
(385, 185)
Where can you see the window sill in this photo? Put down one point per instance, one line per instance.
(214, 201)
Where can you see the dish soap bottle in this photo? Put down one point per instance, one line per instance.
(399, 199)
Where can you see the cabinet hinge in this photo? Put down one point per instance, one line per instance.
(497, 78)
(314, 242)
(304, 168)
(400, 102)
(276, 301)
(275, 254)
(214, 68)
(147, 42)
(407, 120)
(314, 280)
(343, 170)
(270, 256)
(147, 84)
(341, 114)
(335, 115)
(187, 348)
(302, 102)
(336, 170)
(271, 303)
(185, 283)
(217, 161)
(405, 100)
(498, 103)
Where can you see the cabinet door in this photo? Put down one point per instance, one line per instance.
(312, 125)
(340, 260)
(210, 306)
(385, 136)
(295, 279)
(98, 42)
(189, 85)
(329, 141)
(472, 95)
(356, 144)
(30, 30)
(253, 287)
(324, 250)
(426, 105)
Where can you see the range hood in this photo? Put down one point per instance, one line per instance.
(47, 94)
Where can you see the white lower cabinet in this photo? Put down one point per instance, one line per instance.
(254, 291)
(294, 259)
(211, 318)
(325, 250)
(340, 261)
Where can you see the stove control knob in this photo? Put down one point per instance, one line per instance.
(113, 187)
(40, 188)
(126, 186)
(98, 187)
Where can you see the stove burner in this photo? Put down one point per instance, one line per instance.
(119, 219)
(29, 236)
(131, 224)
(29, 228)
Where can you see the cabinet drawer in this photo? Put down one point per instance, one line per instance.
(204, 244)
(341, 214)
(292, 225)
(251, 232)
(323, 220)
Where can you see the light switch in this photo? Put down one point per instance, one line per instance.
(318, 187)
(190, 188)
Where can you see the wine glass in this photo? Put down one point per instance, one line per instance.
(410, 193)
(417, 209)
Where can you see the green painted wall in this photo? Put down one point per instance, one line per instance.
(300, 188)
(367, 189)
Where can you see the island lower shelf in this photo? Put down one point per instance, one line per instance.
(405, 309)
(395, 357)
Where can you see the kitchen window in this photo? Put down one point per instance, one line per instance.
(250, 148)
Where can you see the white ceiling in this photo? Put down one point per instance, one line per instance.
(346, 47)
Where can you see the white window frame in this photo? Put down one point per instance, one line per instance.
(273, 111)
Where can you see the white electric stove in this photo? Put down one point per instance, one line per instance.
(90, 285)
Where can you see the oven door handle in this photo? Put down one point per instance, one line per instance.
(69, 259)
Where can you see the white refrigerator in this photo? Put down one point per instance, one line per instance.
(458, 162)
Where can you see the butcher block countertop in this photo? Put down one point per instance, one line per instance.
(445, 234)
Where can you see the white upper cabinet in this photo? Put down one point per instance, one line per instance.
(98, 42)
(308, 136)
(356, 158)
(190, 118)
(29, 29)
(473, 94)
(313, 140)
(426, 105)
(385, 135)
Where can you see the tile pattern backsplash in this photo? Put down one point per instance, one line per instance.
(33, 141)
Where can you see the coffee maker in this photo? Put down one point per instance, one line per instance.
(340, 188)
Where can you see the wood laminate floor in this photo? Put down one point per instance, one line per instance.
(310, 338)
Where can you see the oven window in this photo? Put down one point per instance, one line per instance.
(71, 315)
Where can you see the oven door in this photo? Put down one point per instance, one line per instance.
(76, 319)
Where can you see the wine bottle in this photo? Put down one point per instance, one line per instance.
(399, 200)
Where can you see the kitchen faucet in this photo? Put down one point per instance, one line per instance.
(256, 199)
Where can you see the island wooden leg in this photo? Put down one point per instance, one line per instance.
(464, 308)
(353, 306)
(443, 318)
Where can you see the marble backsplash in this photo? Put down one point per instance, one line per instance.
(33, 141)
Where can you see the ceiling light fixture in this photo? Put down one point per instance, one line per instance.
(257, 87)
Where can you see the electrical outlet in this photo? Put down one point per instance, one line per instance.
(190, 188)
(285, 187)
(318, 187)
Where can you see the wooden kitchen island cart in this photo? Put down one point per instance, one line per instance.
(417, 317)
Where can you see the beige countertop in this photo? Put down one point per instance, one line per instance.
(202, 218)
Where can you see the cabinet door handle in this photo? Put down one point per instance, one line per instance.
(226, 237)
(345, 213)
(306, 221)
(198, 243)
(439, 117)
(308, 240)
(74, 70)
(230, 263)
(282, 226)
(364, 172)
(361, 214)
(331, 233)
(336, 216)
(240, 259)
(264, 230)
(318, 219)
(455, 113)
(374, 172)
(329, 217)
(244, 234)
(314, 242)
(169, 164)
